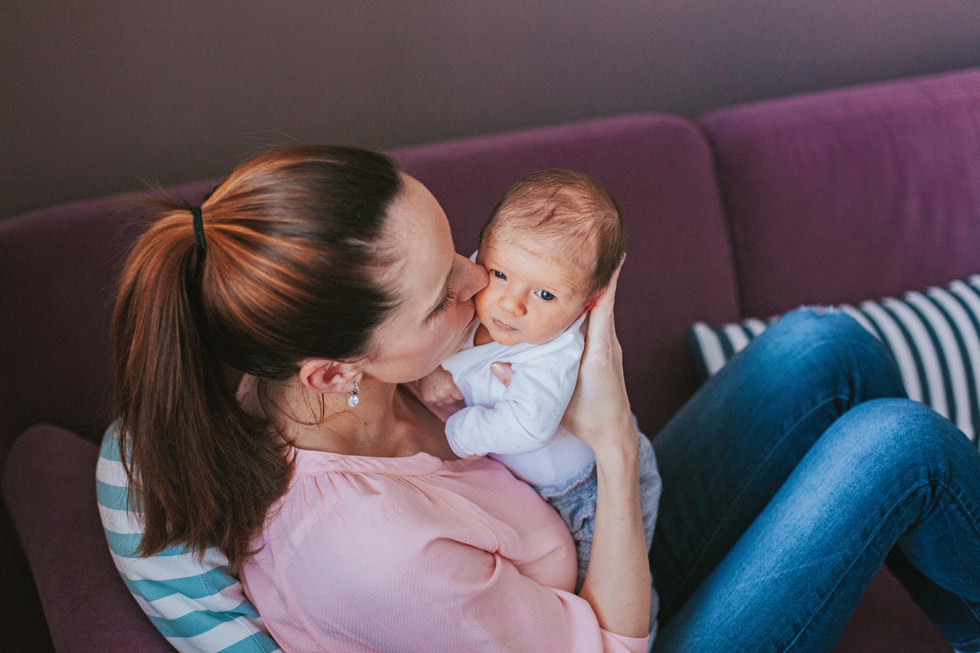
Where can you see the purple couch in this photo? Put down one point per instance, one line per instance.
(837, 196)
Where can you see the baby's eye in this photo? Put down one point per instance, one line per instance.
(545, 295)
(499, 274)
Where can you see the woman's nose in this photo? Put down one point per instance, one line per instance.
(474, 279)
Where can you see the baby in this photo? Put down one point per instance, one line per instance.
(550, 247)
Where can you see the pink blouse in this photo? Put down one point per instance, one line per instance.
(416, 553)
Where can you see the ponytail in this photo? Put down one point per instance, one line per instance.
(179, 415)
(280, 264)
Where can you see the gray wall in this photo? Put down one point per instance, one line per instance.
(97, 96)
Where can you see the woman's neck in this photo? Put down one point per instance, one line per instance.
(384, 423)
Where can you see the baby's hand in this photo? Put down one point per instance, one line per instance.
(438, 388)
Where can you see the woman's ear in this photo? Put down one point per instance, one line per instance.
(324, 376)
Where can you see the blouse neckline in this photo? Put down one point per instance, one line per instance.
(311, 461)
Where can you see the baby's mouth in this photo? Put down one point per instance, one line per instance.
(503, 327)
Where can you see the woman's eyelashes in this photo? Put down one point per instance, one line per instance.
(446, 301)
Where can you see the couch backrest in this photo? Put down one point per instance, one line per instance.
(58, 272)
(852, 194)
(58, 267)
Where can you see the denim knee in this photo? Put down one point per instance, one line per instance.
(902, 435)
(904, 450)
(824, 323)
(834, 342)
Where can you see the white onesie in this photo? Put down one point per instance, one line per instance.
(520, 425)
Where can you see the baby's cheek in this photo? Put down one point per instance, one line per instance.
(483, 301)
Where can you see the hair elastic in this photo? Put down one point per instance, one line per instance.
(198, 228)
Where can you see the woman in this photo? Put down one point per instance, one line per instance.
(330, 279)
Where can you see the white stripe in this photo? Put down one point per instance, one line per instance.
(755, 325)
(167, 567)
(736, 337)
(971, 340)
(175, 606)
(218, 637)
(120, 521)
(951, 354)
(927, 354)
(896, 341)
(711, 351)
(111, 472)
(967, 330)
(968, 294)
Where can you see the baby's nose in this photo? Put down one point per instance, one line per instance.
(512, 304)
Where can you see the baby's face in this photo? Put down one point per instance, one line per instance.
(532, 297)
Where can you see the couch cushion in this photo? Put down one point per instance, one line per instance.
(49, 489)
(659, 169)
(848, 194)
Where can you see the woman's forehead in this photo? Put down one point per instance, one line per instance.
(423, 243)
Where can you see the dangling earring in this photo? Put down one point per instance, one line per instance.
(353, 398)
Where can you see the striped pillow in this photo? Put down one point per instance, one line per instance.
(196, 603)
(934, 336)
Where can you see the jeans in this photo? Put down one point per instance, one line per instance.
(790, 477)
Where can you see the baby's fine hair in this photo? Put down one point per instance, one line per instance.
(569, 210)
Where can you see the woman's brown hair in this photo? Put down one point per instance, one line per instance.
(293, 246)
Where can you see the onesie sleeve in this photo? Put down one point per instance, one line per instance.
(529, 413)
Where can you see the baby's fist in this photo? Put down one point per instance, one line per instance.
(438, 388)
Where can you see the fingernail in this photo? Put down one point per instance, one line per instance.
(497, 367)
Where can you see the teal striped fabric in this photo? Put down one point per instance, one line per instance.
(934, 337)
(195, 603)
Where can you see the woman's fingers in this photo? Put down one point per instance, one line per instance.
(607, 298)
(602, 326)
(600, 399)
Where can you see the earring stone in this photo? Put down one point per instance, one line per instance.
(353, 399)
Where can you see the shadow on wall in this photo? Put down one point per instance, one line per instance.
(98, 97)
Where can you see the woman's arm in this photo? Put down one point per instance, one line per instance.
(617, 583)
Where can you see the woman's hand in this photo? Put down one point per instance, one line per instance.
(599, 411)
(617, 582)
